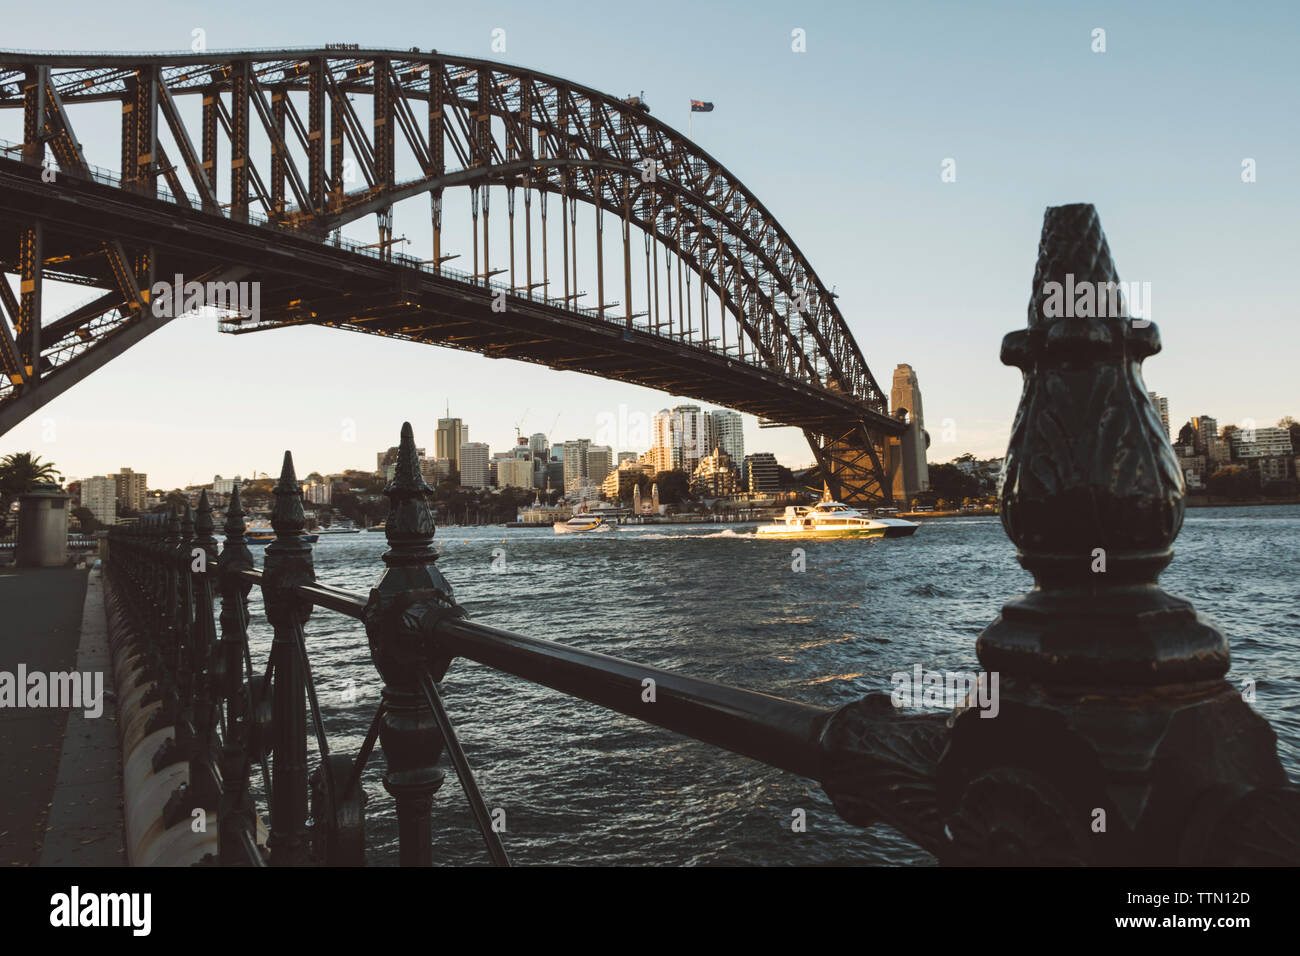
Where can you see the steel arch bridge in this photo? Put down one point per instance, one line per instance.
(242, 167)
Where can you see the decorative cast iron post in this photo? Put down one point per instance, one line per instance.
(1117, 740)
(237, 815)
(410, 596)
(205, 776)
(288, 564)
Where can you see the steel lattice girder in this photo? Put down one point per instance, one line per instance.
(507, 127)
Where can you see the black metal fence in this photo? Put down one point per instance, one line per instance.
(1117, 739)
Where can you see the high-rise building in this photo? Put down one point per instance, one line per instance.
(600, 462)
(1162, 409)
(130, 489)
(451, 434)
(514, 473)
(317, 492)
(680, 438)
(726, 430)
(224, 486)
(473, 458)
(434, 470)
(574, 456)
(1261, 443)
(625, 456)
(99, 494)
(911, 474)
(762, 475)
(540, 446)
(1209, 444)
(693, 437)
(385, 459)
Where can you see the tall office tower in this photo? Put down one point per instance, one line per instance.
(575, 462)
(451, 435)
(911, 474)
(600, 462)
(130, 489)
(224, 486)
(514, 473)
(540, 446)
(692, 437)
(434, 470)
(1208, 442)
(1162, 409)
(99, 494)
(761, 473)
(625, 456)
(726, 430)
(661, 441)
(473, 458)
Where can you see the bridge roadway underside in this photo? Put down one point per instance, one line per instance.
(305, 281)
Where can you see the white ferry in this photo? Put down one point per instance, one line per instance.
(581, 523)
(828, 519)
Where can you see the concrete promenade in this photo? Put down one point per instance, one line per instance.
(61, 802)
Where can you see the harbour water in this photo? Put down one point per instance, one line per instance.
(581, 785)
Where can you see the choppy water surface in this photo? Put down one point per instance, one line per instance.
(582, 785)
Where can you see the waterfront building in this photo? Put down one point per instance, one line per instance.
(99, 495)
(1267, 442)
(714, 476)
(620, 483)
(761, 473)
(726, 430)
(472, 458)
(130, 489)
(907, 452)
(600, 462)
(1162, 409)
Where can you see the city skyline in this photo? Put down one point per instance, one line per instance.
(877, 224)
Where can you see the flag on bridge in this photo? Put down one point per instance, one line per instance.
(699, 106)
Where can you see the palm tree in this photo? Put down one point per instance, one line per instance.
(19, 473)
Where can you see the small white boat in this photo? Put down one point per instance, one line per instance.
(582, 523)
(833, 519)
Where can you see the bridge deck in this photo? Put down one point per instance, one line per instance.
(305, 281)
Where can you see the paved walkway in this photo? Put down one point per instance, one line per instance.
(60, 789)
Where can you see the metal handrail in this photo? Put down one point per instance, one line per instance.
(780, 732)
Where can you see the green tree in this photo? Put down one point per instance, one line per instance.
(19, 473)
(674, 487)
(89, 523)
(951, 483)
(1233, 481)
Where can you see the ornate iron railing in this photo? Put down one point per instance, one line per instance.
(1114, 706)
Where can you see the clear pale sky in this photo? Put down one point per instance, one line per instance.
(844, 143)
